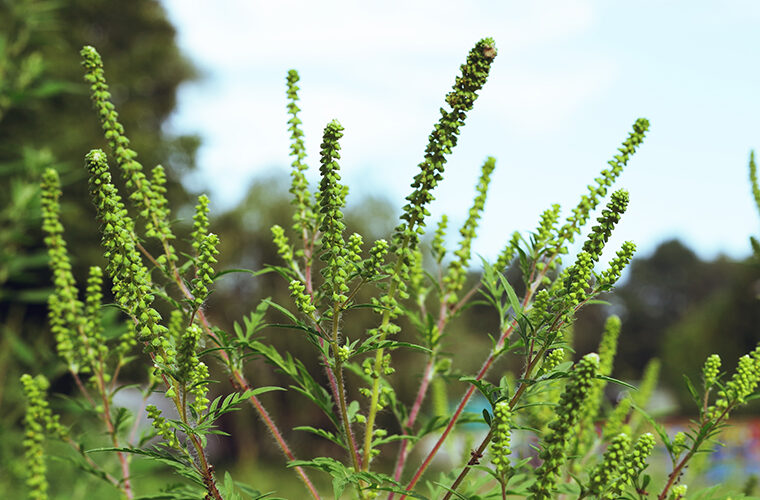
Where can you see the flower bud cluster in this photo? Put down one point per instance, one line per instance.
(439, 239)
(508, 254)
(301, 298)
(354, 250)
(577, 279)
(457, 272)
(710, 370)
(150, 200)
(162, 427)
(607, 351)
(500, 442)
(443, 139)
(546, 225)
(96, 348)
(601, 233)
(678, 492)
(284, 248)
(589, 201)
(200, 222)
(39, 420)
(635, 462)
(207, 252)
(332, 199)
(613, 463)
(552, 360)
(64, 306)
(191, 372)
(610, 276)
(561, 428)
(741, 385)
(303, 216)
(131, 279)
(373, 266)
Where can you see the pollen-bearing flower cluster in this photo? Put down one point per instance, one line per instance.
(561, 428)
(38, 422)
(500, 443)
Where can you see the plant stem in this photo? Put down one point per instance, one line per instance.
(342, 390)
(471, 390)
(676, 474)
(241, 382)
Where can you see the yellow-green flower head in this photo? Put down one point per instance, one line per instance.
(623, 257)
(589, 202)
(601, 233)
(442, 141)
(500, 441)
(149, 199)
(613, 462)
(678, 492)
(710, 370)
(301, 298)
(457, 272)
(634, 464)
(562, 427)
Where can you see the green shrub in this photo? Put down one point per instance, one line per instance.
(160, 284)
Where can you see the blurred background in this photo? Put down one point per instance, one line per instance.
(200, 88)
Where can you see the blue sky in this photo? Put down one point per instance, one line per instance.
(570, 79)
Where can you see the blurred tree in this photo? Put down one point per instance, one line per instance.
(46, 120)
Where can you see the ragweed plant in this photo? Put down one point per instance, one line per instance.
(160, 283)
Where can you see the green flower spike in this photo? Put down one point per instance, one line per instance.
(741, 385)
(439, 243)
(609, 277)
(500, 442)
(601, 233)
(200, 222)
(613, 463)
(207, 252)
(96, 348)
(442, 140)
(457, 272)
(191, 372)
(373, 266)
(679, 443)
(508, 254)
(64, 307)
(132, 286)
(710, 370)
(552, 360)
(149, 199)
(607, 351)
(332, 200)
(589, 201)
(546, 226)
(562, 427)
(304, 217)
(284, 248)
(635, 463)
(354, 250)
(576, 281)
(39, 421)
(301, 298)
(163, 428)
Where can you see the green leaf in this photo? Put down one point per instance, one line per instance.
(162, 456)
(323, 434)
